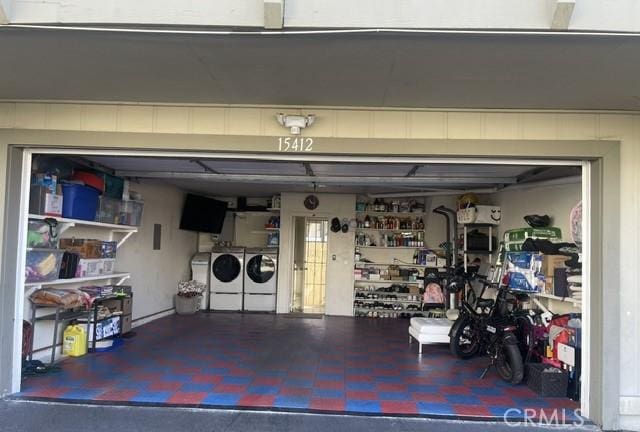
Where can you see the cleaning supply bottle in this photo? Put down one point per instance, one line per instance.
(74, 341)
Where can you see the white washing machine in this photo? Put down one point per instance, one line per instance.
(260, 279)
(227, 269)
(200, 263)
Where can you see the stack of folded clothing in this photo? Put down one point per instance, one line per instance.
(575, 286)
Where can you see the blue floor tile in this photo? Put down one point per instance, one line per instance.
(291, 402)
(151, 396)
(435, 408)
(363, 406)
(263, 390)
(226, 399)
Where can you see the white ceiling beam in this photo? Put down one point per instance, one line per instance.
(562, 12)
(302, 179)
(273, 14)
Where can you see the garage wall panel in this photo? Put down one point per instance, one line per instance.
(502, 126)
(63, 117)
(353, 124)
(171, 120)
(577, 126)
(243, 121)
(133, 118)
(424, 124)
(539, 126)
(99, 118)
(205, 120)
(461, 125)
(30, 116)
(7, 115)
(389, 124)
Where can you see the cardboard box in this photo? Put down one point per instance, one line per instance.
(43, 202)
(552, 262)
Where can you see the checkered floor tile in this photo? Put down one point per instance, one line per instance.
(333, 364)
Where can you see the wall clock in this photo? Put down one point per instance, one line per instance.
(311, 202)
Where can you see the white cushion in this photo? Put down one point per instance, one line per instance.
(431, 326)
(426, 338)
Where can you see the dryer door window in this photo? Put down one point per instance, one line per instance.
(261, 268)
(226, 268)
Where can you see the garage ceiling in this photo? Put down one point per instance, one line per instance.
(255, 178)
(367, 69)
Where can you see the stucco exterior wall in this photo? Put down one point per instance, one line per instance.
(387, 132)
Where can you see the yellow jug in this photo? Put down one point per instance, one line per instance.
(74, 341)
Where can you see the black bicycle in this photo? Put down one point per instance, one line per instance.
(488, 326)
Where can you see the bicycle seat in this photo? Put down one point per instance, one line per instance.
(484, 303)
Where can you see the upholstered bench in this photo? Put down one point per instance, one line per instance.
(429, 331)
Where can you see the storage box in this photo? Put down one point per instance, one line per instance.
(42, 235)
(109, 210)
(43, 202)
(80, 202)
(132, 213)
(89, 248)
(43, 265)
(480, 214)
(95, 267)
(546, 380)
(521, 234)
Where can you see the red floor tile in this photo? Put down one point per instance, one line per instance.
(257, 400)
(332, 385)
(193, 398)
(391, 387)
(429, 397)
(503, 401)
(455, 390)
(295, 391)
(472, 410)
(269, 381)
(327, 404)
(398, 407)
(206, 379)
(362, 395)
(230, 388)
(165, 386)
(117, 395)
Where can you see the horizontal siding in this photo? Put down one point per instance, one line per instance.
(336, 123)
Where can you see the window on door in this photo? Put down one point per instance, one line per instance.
(310, 265)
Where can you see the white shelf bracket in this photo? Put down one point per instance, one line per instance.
(122, 279)
(125, 238)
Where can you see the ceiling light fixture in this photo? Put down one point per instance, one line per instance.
(295, 122)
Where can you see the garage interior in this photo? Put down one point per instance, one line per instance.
(327, 338)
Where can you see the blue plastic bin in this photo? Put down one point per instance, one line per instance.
(79, 202)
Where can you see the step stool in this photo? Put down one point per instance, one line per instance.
(429, 331)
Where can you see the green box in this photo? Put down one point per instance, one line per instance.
(521, 234)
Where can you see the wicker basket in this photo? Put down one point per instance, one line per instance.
(187, 305)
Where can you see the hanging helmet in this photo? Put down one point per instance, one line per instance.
(468, 200)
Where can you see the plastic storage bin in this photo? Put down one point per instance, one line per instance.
(43, 265)
(109, 210)
(80, 202)
(546, 380)
(41, 234)
(132, 212)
